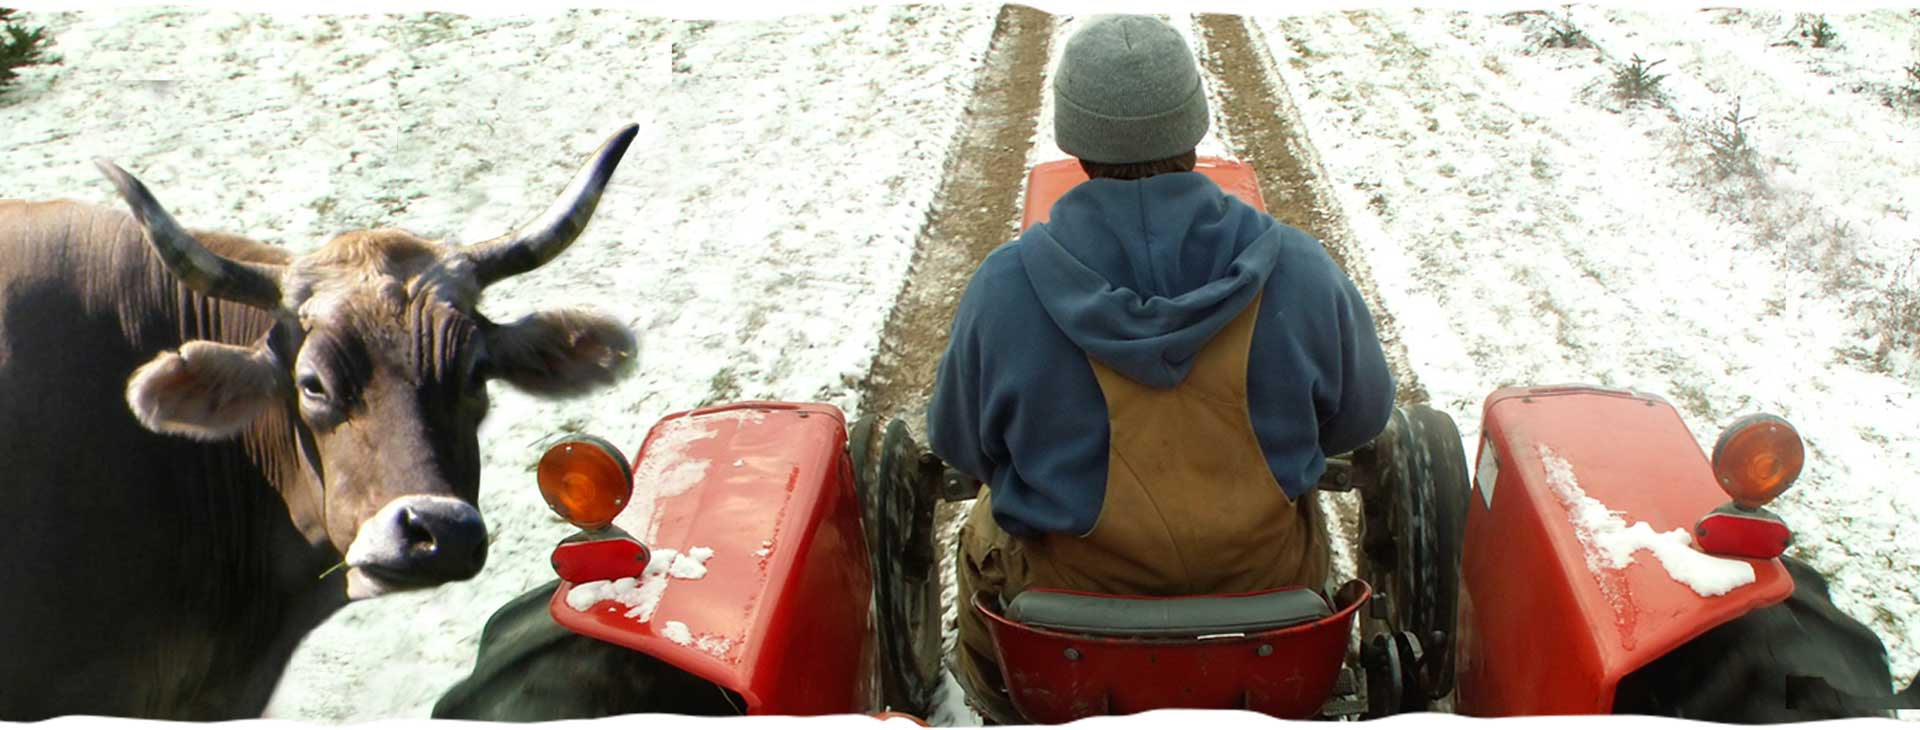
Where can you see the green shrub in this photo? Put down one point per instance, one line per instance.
(1636, 81)
(20, 46)
(1729, 148)
(1897, 321)
(1563, 34)
(1817, 31)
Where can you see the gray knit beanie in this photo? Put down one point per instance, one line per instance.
(1127, 90)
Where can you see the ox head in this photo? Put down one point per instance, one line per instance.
(381, 359)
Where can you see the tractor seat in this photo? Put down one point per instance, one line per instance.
(1067, 655)
(1172, 617)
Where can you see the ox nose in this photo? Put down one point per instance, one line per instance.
(422, 540)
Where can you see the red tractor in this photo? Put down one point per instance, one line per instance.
(770, 558)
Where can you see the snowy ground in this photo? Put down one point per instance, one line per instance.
(756, 235)
(1526, 227)
(1522, 225)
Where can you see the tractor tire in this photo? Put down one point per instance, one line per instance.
(899, 510)
(862, 451)
(1414, 524)
(1799, 660)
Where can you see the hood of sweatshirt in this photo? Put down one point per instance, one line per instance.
(1141, 274)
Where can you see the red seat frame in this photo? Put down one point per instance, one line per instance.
(1054, 677)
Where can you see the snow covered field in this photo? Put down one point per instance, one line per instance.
(1522, 224)
(756, 235)
(1526, 227)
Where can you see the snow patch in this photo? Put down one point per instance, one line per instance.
(677, 633)
(642, 595)
(718, 646)
(714, 645)
(1611, 544)
(693, 565)
(664, 471)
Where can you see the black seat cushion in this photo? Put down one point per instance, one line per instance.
(1187, 616)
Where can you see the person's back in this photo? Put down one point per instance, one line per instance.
(1149, 383)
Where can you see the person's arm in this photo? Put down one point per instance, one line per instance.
(1366, 388)
(954, 412)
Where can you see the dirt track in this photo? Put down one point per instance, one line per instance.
(1262, 129)
(976, 209)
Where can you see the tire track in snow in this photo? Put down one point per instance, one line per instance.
(1262, 129)
(976, 209)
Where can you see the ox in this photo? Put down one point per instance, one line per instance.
(195, 427)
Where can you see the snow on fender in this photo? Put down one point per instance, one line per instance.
(641, 595)
(1611, 544)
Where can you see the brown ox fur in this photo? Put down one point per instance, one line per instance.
(146, 574)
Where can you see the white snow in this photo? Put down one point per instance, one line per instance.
(677, 633)
(1520, 225)
(642, 595)
(665, 470)
(1611, 544)
(1525, 227)
(718, 646)
(693, 565)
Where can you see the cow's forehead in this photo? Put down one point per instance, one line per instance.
(379, 249)
(379, 270)
(390, 325)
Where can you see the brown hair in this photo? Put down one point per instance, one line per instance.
(1182, 162)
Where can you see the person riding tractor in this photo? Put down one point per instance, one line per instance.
(1148, 384)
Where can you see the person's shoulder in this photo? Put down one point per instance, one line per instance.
(999, 281)
(1300, 258)
(1005, 256)
(1002, 265)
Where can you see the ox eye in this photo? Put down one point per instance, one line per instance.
(312, 387)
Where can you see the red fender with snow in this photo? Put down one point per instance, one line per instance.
(1541, 631)
(781, 614)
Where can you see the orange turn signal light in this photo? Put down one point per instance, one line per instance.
(1757, 459)
(586, 481)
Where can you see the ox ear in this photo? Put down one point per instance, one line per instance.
(562, 353)
(206, 390)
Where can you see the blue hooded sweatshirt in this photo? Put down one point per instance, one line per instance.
(1140, 275)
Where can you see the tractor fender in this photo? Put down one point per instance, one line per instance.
(780, 610)
(1548, 626)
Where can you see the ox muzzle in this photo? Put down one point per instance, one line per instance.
(416, 542)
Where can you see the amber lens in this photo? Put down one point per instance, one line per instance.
(1757, 459)
(586, 482)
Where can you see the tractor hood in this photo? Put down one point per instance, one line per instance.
(1141, 274)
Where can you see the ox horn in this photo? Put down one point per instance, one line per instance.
(538, 242)
(201, 270)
